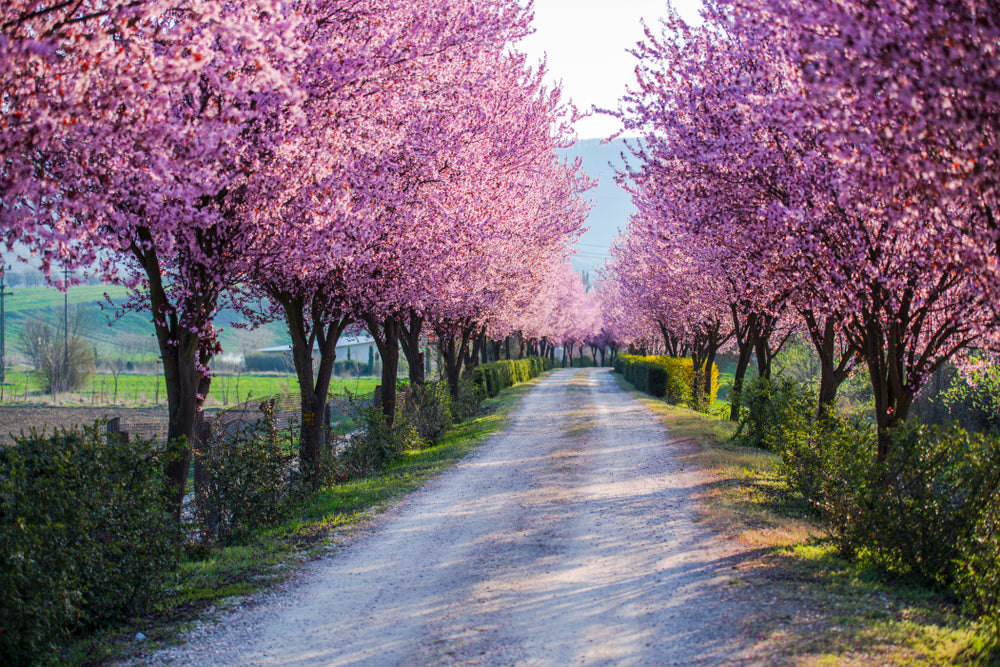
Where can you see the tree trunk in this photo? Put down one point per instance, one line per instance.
(314, 389)
(386, 335)
(184, 353)
(410, 337)
(478, 341)
(745, 336)
(833, 371)
(452, 353)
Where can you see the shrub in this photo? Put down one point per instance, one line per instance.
(86, 535)
(928, 498)
(494, 377)
(669, 378)
(247, 480)
(931, 510)
(469, 398)
(977, 576)
(430, 410)
(62, 365)
(767, 408)
(377, 444)
(829, 462)
(350, 368)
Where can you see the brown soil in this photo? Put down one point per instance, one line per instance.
(17, 418)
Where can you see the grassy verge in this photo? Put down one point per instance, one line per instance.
(813, 607)
(215, 579)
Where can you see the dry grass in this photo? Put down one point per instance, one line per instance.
(812, 607)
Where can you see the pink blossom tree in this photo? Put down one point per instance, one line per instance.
(129, 137)
(760, 107)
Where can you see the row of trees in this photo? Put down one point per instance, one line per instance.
(817, 167)
(332, 163)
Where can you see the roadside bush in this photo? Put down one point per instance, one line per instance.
(430, 411)
(977, 579)
(245, 482)
(830, 463)
(470, 397)
(85, 535)
(377, 444)
(494, 377)
(668, 378)
(767, 408)
(350, 368)
(931, 510)
(937, 485)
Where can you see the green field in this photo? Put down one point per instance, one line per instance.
(135, 390)
(106, 333)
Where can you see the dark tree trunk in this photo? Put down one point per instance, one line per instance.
(183, 353)
(833, 370)
(308, 328)
(478, 344)
(745, 334)
(410, 337)
(386, 334)
(703, 351)
(453, 350)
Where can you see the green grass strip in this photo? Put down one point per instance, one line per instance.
(212, 578)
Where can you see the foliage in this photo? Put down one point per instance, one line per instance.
(669, 378)
(767, 407)
(429, 408)
(470, 397)
(828, 461)
(975, 401)
(85, 535)
(243, 480)
(351, 368)
(977, 575)
(376, 444)
(928, 499)
(63, 364)
(263, 362)
(929, 511)
(494, 377)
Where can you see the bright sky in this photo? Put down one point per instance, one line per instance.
(586, 41)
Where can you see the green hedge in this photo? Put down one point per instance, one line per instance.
(669, 378)
(492, 378)
(930, 511)
(85, 536)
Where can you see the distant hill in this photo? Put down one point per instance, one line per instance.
(613, 206)
(133, 332)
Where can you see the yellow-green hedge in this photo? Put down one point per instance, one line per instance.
(669, 378)
(493, 377)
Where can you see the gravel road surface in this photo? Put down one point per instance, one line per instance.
(569, 539)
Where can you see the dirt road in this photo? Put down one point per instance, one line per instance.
(567, 540)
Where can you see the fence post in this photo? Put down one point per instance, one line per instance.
(114, 431)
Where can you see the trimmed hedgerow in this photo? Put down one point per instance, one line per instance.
(86, 535)
(494, 377)
(668, 378)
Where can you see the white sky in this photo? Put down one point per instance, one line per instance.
(585, 41)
